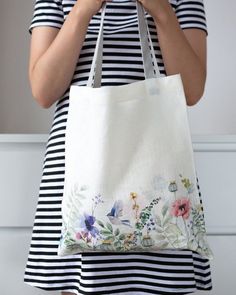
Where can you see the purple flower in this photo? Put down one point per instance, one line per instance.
(86, 224)
(98, 199)
(150, 224)
(83, 235)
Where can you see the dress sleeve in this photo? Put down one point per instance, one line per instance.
(191, 14)
(47, 13)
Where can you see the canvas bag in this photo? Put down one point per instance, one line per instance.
(130, 179)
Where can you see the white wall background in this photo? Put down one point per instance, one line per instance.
(214, 116)
(215, 113)
(19, 112)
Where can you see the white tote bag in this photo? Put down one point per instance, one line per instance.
(130, 180)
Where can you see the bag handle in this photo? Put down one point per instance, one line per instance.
(150, 70)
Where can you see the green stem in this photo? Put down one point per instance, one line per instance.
(186, 229)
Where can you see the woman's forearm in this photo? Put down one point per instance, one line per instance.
(54, 70)
(178, 55)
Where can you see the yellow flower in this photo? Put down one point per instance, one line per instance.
(107, 241)
(133, 195)
(199, 207)
(129, 237)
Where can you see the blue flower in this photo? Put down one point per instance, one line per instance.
(190, 189)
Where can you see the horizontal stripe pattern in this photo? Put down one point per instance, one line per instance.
(191, 14)
(47, 13)
(164, 272)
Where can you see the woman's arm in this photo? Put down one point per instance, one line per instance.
(183, 51)
(54, 52)
(53, 56)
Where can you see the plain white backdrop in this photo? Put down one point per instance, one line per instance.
(212, 120)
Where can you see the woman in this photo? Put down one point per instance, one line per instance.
(62, 48)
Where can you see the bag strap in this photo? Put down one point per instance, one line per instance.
(150, 70)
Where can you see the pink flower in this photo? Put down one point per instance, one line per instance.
(181, 207)
(83, 234)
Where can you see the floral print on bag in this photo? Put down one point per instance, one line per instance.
(173, 222)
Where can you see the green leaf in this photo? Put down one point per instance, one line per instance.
(158, 220)
(139, 225)
(100, 223)
(83, 245)
(166, 219)
(105, 232)
(117, 244)
(164, 209)
(122, 237)
(109, 226)
(117, 231)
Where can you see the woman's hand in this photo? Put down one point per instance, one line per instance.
(90, 7)
(156, 8)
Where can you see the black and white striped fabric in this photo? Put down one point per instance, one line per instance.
(165, 272)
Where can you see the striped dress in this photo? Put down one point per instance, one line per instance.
(164, 272)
